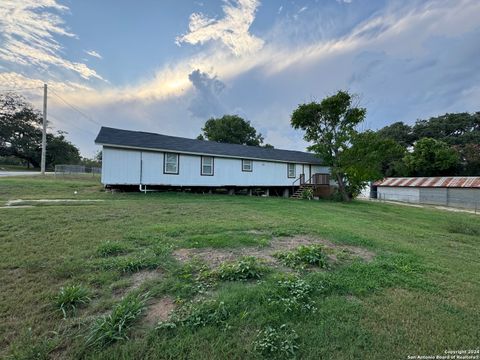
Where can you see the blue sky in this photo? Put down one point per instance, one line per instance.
(167, 66)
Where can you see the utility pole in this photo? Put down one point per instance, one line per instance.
(44, 133)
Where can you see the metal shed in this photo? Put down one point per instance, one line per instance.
(455, 191)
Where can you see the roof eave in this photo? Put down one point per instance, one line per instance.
(204, 153)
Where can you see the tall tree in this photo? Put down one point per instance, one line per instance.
(400, 132)
(371, 158)
(454, 129)
(330, 125)
(21, 134)
(432, 157)
(231, 129)
(61, 151)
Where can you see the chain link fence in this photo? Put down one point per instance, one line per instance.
(76, 170)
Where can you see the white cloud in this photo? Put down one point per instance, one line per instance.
(232, 30)
(93, 53)
(27, 36)
(302, 9)
(285, 73)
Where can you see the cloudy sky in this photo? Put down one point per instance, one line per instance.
(167, 66)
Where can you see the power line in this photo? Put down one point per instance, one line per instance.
(56, 117)
(21, 89)
(76, 109)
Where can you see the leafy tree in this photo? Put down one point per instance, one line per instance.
(19, 124)
(470, 155)
(331, 126)
(96, 161)
(231, 129)
(453, 129)
(432, 157)
(400, 132)
(21, 134)
(61, 151)
(371, 158)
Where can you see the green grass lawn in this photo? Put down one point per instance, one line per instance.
(418, 295)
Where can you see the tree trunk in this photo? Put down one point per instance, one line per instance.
(341, 188)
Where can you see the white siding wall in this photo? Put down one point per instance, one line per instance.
(121, 167)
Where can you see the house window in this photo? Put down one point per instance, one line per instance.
(291, 170)
(170, 163)
(207, 166)
(247, 165)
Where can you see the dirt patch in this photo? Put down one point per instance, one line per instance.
(138, 279)
(160, 310)
(214, 257)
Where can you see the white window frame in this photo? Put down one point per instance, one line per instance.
(247, 161)
(167, 161)
(291, 170)
(211, 165)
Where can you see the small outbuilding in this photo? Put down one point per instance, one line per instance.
(455, 191)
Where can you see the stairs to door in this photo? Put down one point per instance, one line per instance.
(298, 193)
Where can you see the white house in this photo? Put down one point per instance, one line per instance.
(150, 161)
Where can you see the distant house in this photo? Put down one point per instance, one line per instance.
(153, 161)
(456, 191)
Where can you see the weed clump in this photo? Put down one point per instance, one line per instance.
(304, 255)
(464, 228)
(293, 294)
(133, 263)
(195, 316)
(247, 268)
(110, 248)
(277, 343)
(114, 327)
(70, 298)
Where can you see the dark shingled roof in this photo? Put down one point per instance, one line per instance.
(145, 140)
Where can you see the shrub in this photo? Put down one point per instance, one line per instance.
(245, 269)
(109, 248)
(70, 297)
(294, 294)
(307, 193)
(274, 343)
(304, 255)
(114, 327)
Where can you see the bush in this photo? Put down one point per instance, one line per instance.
(114, 327)
(293, 295)
(109, 248)
(307, 193)
(246, 268)
(304, 255)
(280, 343)
(70, 297)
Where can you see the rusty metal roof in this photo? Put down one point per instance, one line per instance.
(436, 182)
